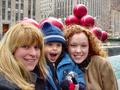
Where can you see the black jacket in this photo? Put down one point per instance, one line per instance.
(7, 85)
(40, 84)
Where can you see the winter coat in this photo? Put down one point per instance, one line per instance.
(99, 75)
(40, 84)
(7, 85)
(64, 66)
(50, 83)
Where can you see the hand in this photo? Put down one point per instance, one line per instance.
(64, 85)
(67, 85)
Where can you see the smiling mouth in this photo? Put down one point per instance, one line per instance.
(78, 56)
(53, 54)
(30, 60)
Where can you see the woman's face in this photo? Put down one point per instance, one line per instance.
(28, 55)
(78, 47)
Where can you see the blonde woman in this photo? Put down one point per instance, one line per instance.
(86, 51)
(21, 51)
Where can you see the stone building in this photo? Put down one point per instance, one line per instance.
(11, 11)
(106, 12)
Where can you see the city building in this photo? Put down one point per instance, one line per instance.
(46, 8)
(64, 8)
(115, 18)
(11, 11)
(105, 12)
(100, 9)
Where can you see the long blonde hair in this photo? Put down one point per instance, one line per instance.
(95, 45)
(18, 35)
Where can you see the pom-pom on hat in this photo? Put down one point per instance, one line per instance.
(52, 33)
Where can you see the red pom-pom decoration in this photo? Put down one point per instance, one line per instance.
(104, 36)
(97, 32)
(71, 20)
(80, 10)
(87, 21)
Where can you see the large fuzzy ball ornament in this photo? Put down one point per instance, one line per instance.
(87, 21)
(80, 10)
(97, 32)
(71, 20)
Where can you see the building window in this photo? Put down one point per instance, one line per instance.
(3, 13)
(9, 3)
(5, 28)
(17, 5)
(29, 13)
(22, 4)
(29, 8)
(3, 9)
(34, 4)
(21, 16)
(16, 16)
(9, 15)
(3, 3)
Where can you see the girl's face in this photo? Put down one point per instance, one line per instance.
(78, 47)
(53, 51)
(28, 55)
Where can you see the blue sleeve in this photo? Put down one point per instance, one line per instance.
(80, 78)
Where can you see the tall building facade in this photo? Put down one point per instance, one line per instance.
(115, 18)
(64, 8)
(105, 12)
(11, 11)
(46, 8)
(100, 9)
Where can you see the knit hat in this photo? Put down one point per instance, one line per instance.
(52, 33)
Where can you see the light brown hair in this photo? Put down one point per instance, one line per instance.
(18, 35)
(95, 45)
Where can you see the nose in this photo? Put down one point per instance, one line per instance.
(32, 51)
(78, 49)
(54, 47)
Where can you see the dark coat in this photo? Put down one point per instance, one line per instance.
(40, 84)
(7, 85)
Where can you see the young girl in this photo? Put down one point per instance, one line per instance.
(86, 51)
(58, 61)
(21, 51)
